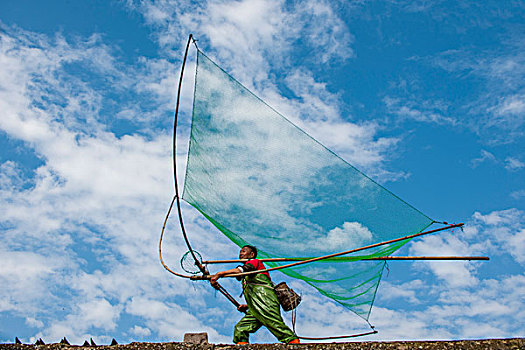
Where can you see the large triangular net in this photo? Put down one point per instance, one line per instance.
(263, 181)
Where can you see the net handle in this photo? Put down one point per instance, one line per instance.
(231, 261)
(176, 182)
(339, 254)
(176, 198)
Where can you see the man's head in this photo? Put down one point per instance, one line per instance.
(248, 252)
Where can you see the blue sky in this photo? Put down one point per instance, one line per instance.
(426, 97)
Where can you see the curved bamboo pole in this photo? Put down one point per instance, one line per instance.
(176, 198)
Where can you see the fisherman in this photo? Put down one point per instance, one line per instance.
(262, 306)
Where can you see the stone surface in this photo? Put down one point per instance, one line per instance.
(485, 344)
(196, 338)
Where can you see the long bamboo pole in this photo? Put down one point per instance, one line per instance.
(335, 254)
(206, 262)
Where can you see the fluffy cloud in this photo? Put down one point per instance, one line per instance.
(497, 233)
(421, 111)
(455, 273)
(247, 32)
(349, 235)
(159, 316)
(503, 232)
(513, 163)
(518, 194)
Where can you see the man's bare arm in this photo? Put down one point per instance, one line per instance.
(214, 278)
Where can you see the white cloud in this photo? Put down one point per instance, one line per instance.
(455, 273)
(99, 313)
(317, 112)
(421, 111)
(349, 235)
(95, 313)
(510, 163)
(406, 291)
(317, 103)
(496, 113)
(518, 194)
(505, 230)
(394, 324)
(246, 32)
(11, 176)
(493, 234)
(140, 331)
(512, 105)
(161, 317)
(325, 30)
(33, 322)
(513, 163)
(486, 156)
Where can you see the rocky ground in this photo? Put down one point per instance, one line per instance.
(514, 344)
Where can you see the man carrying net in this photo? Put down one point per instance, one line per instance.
(262, 306)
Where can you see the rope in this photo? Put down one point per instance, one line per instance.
(294, 319)
(160, 244)
(339, 336)
(373, 331)
(441, 222)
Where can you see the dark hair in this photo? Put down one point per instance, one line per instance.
(252, 248)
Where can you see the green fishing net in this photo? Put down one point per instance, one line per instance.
(263, 181)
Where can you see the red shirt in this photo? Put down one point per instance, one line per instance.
(254, 264)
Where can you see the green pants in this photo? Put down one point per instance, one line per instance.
(263, 310)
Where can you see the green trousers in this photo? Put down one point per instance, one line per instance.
(263, 310)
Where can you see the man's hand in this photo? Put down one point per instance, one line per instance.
(242, 308)
(213, 280)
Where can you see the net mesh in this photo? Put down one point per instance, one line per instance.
(188, 263)
(263, 181)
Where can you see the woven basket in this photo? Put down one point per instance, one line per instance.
(287, 297)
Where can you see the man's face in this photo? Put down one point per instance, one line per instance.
(246, 253)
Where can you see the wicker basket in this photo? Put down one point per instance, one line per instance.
(287, 297)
